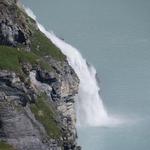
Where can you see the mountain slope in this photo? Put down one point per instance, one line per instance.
(37, 87)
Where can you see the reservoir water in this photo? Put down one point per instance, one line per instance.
(115, 37)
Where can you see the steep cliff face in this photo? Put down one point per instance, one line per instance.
(37, 87)
(13, 26)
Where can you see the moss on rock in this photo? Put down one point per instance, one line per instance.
(5, 146)
(45, 114)
(42, 46)
(12, 59)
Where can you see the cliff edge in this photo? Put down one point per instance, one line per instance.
(37, 87)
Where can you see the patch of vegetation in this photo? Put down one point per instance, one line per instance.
(5, 146)
(44, 113)
(42, 46)
(11, 59)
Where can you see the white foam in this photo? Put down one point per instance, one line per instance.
(30, 13)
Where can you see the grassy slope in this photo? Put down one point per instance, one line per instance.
(11, 58)
(5, 146)
(45, 114)
(42, 46)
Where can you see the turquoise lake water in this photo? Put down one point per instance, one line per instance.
(114, 35)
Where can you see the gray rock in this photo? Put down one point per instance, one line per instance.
(18, 125)
(13, 28)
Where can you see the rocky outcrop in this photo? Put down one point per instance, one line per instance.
(37, 101)
(13, 28)
(64, 83)
(19, 126)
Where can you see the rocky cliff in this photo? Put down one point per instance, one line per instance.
(37, 87)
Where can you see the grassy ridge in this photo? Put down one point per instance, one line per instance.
(11, 58)
(42, 46)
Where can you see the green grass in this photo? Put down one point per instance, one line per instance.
(42, 46)
(11, 59)
(5, 146)
(44, 113)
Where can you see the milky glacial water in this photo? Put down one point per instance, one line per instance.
(115, 37)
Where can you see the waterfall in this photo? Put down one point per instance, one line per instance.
(90, 108)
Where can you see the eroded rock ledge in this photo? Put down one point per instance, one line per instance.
(37, 87)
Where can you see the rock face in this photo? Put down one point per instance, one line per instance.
(13, 29)
(37, 102)
(64, 83)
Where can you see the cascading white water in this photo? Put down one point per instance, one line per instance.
(90, 109)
